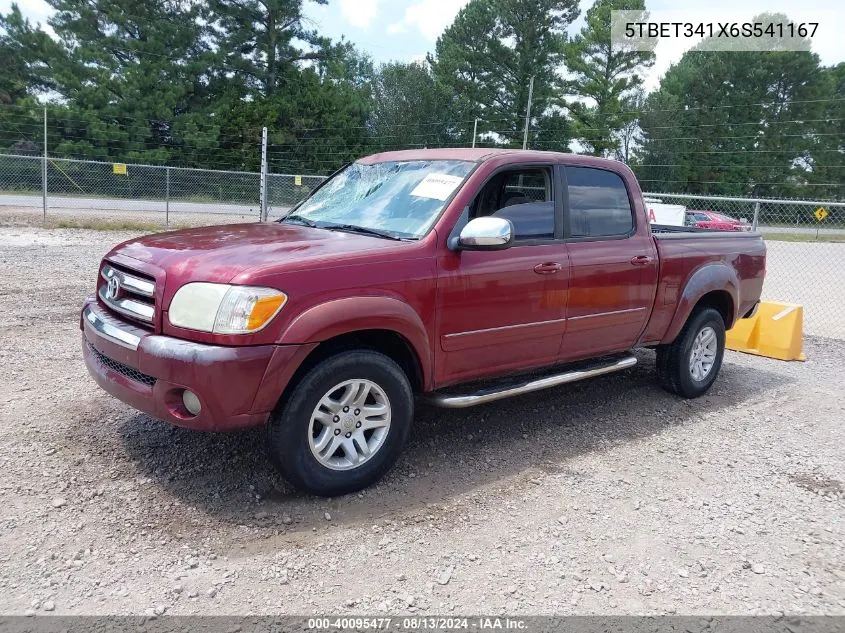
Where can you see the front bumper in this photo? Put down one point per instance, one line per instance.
(237, 386)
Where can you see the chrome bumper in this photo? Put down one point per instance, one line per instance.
(112, 329)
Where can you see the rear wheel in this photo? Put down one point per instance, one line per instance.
(344, 424)
(690, 365)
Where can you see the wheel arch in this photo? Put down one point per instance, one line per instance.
(714, 285)
(384, 324)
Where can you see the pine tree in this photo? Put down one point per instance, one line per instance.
(409, 109)
(603, 78)
(737, 123)
(489, 54)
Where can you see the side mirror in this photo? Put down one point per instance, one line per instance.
(486, 234)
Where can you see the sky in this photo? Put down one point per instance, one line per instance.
(405, 30)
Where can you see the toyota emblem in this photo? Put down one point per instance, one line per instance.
(113, 288)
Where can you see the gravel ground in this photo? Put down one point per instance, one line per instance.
(608, 496)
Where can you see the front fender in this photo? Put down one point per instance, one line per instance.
(709, 278)
(343, 316)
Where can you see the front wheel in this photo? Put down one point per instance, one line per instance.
(690, 365)
(344, 424)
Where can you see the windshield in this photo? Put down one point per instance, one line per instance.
(402, 199)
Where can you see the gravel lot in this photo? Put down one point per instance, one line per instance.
(607, 496)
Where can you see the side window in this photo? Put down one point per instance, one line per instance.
(523, 196)
(598, 203)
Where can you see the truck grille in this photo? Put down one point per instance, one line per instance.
(128, 293)
(120, 368)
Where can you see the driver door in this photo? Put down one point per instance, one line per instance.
(503, 310)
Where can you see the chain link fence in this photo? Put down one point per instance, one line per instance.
(113, 195)
(805, 243)
(285, 190)
(805, 238)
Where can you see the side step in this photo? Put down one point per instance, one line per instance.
(489, 394)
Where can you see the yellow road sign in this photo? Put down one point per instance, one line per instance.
(119, 168)
(821, 213)
(297, 181)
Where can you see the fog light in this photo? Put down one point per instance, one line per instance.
(191, 402)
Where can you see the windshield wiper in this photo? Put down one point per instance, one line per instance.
(295, 217)
(352, 228)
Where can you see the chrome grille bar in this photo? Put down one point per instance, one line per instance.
(130, 283)
(128, 294)
(129, 307)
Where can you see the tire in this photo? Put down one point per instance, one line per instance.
(674, 370)
(295, 439)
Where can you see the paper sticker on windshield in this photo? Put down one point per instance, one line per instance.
(439, 186)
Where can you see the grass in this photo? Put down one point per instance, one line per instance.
(803, 237)
(113, 225)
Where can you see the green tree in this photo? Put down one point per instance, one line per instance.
(736, 123)
(629, 136)
(126, 72)
(323, 124)
(554, 134)
(487, 57)
(18, 77)
(826, 162)
(603, 77)
(260, 42)
(271, 70)
(409, 108)
(182, 82)
(23, 76)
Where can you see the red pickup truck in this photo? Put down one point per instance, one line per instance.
(456, 276)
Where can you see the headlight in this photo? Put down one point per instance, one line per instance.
(224, 309)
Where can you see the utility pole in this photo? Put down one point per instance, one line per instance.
(528, 113)
(44, 171)
(264, 175)
(474, 131)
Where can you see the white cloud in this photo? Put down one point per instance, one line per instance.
(35, 10)
(429, 17)
(826, 43)
(359, 13)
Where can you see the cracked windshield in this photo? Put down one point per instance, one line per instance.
(400, 199)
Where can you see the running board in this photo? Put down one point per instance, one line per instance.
(483, 396)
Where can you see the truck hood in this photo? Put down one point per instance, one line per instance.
(221, 253)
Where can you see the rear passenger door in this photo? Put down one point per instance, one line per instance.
(613, 265)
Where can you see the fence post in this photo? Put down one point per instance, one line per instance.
(167, 197)
(264, 175)
(756, 216)
(474, 131)
(44, 173)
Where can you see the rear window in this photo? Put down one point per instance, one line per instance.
(598, 203)
(723, 217)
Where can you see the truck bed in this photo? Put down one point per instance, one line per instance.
(667, 229)
(684, 251)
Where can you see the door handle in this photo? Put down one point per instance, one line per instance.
(641, 260)
(547, 268)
